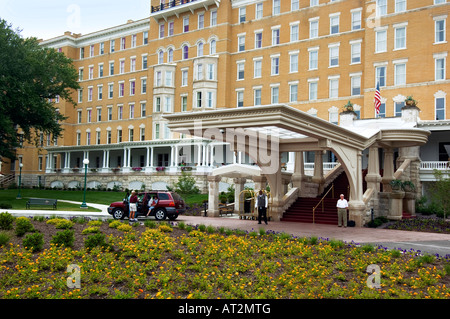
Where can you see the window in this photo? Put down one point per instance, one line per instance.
(276, 7)
(111, 68)
(157, 131)
(275, 90)
(132, 64)
(242, 14)
(398, 108)
(91, 72)
(312, 90)
(209, 99)
(257, 96)
(313, 28)
(201, 21)
(169, 78)
(158, 78)
(199, 99)
(293, 62)
(295, 5)
(98, 140)
(355, 85)
(355, 52)
(184, 77)
(439, 68)
(122, 67)
(160, 57)
(333, 87)
(240, 70)
(90, 90)
(88, 138)
(100, 92)
(356, 20)
(200, 49)
(213, 18)
(120, 112)
(400, 5)
(144, 62)
(101, 49)
(313, 3)
(440, 108)
(119, 136)
(79, 116)
(210, 74)
(170, 28)
(184, 103)
(112, 46)
(275, 65)
(239, 98)
(80, 74)
(258, 40)
(80, 95)
(121, 89)
(158, 104)
(109, 113)
(212, 47)
(81, 53)
(143, 86)
(380, 73)
(293, 92)
(108, 137)
(100, 70)
(334, 55)
(168, 104)
(110, 91)
(185, 52)
(143, 109)
(131, 109)
(199, 72)
(439, 1)
(381, 7)
(142, 134)
(130, 135)
(400, 74)
(132, 88)
(380, 41)
(400, 38)
(294, 32)
(313, 59)
(382, 112)
(123, 42)
(257, 64)
(241, 43)
(334, 24)
(333, 116)
(89, 116)
(258, 11)
(275, 36)
(133, 40)
(145, 37)
(170, 55)
(186, 24)
(439, 27)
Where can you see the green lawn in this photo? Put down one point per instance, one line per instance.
(96, 197)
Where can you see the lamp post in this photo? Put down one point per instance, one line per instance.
(20, 180)
(86, 163)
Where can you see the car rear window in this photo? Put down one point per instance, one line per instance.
(163, 196)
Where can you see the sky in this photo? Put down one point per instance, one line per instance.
(45, 19)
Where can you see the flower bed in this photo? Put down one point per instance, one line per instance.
(204, 262)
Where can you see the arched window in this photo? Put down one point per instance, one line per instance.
(160, 57)
(185, 52)
(170, 55)
(200, 46)
(212, 47)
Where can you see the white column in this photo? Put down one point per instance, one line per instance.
(124, 157)
(151, 156)
(176, 155)
(211, 161)
(199, 154)
(204, 155)
(129, 158)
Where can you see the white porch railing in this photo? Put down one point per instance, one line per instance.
(432, 165)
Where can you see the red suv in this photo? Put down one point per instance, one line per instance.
(169, 204)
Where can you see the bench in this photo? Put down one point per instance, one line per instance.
(41, 202)
(226, 209)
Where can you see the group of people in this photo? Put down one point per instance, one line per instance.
(133, 200)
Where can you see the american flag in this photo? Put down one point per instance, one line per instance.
(377, 101)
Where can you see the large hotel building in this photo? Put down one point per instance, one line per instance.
(199, 55)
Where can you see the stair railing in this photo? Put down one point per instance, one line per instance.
(322, 200)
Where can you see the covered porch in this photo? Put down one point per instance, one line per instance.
(265, 132)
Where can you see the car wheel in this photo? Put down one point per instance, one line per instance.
(173, 217)
(160, 214)
(118, 213)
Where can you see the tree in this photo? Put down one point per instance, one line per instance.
(30, 76)
(186, 184)
(440, 191)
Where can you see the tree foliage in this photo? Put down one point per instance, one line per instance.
(186, 184)
(440, 191)
(30, 76)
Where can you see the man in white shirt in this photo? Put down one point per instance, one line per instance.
(342, 206)
(261, 203)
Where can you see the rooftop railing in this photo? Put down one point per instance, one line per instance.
(170, 4)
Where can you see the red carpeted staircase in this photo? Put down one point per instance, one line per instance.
(302, 210)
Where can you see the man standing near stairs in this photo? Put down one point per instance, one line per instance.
(261, 205)
(342, 206)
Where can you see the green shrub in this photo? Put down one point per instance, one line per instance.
(150, 223)
(115, 224)
(165, 228)
(23, 226)
(6, 221)
(98, 239)
(210, 229)
(124, 227)
(34, 241)
(181, 225)
(64, 238)
(95, 223)
(377, 222)
(202, 227)
(61, 223)
(91, 229)
(4, 238)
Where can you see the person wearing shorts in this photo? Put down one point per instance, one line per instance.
(133, 206)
